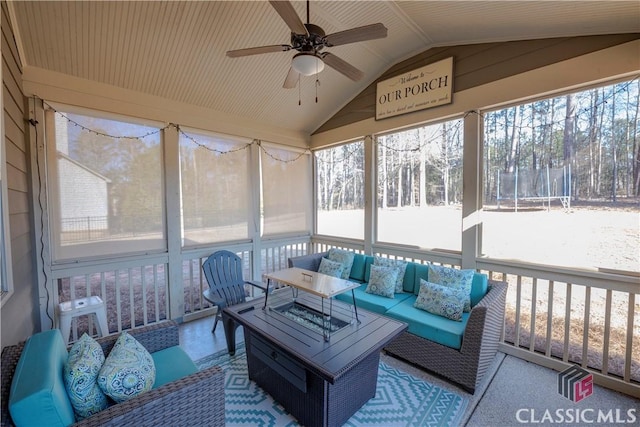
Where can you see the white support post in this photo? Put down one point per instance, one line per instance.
(472, 190)
(370, 195)
(171, 145)
(255, 224)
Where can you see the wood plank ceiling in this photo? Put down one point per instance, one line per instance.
(176, 50)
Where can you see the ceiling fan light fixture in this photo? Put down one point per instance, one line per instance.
(307, 64)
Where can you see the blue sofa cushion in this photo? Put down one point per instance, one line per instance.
(429, 326)
(172, 363)
(38, 396)
(371, 302)
(358, 268)
(479, 288)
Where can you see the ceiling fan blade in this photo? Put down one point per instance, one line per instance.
(257, 50)
(342, 66)
(359, 34)
(292, 79)
(289, 16)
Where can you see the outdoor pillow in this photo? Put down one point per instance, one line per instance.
(343, 257)
(441, 300)
(453, 278)
(382, 281)
(401, 266)
(80, 376)
(330, 268)
(128, 371)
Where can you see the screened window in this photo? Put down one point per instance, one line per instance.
(214, 173)
(420, 186)
(340, 190)
(286, 190)
(561, 180)
(105, 186)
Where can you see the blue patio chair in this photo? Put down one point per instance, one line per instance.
(223, 270)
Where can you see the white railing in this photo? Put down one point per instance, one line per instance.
(557, 316)
(136, 291)
(598, 329)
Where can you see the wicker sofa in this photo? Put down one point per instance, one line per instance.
(464, 362)
(194, 400)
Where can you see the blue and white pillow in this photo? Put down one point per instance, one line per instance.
(330, 268)
(441, 300)
(128, 371)
(80, 374)
(343, 257)
(382, 281)
(453, 278)
(401, 266)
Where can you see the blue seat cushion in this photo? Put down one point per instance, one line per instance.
(172, 363)
(429, 326)
(38, 396)
(376, 303)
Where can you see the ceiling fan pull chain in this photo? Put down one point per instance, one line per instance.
(299, 96)
(317, 84)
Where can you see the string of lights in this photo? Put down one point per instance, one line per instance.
(357, 148)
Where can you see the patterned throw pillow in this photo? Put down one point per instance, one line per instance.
(128, 370)
(382, 281)
(440, 300)
(453, 278)
(343, 257)
(80, 376)
(330, 268)
(401, 266)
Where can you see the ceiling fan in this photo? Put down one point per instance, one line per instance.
(309, 40)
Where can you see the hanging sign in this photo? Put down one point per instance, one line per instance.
(426, 87)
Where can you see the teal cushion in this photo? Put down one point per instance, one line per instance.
(421, 273)
(80, 377)
(368, 262)
(400, 266)
(453, 278)
(128, 370)
(330, 268)
(344, 257)
(172, 364)
(371, 302)
(428, 325)
(479, 287)
(358, 268)
(441, 300)
(382, 281)
(37, 396)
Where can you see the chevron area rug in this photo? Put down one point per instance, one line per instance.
(400, 400)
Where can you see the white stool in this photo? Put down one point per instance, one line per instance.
(78, 307)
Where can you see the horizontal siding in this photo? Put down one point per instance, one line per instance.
(20, 314)
(479, 64)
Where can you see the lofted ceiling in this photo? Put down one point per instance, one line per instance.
(176, 50)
